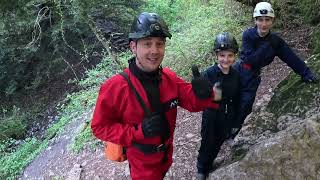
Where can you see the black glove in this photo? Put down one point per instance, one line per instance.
(310, 78)
(200, 85)
(155, 125)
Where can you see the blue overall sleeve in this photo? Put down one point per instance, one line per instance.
(256, 51)
(285, 53)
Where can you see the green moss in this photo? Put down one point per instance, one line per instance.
(316, 40)
(294, 96)
(238, 154)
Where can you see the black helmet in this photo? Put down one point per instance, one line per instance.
(148, 24)
(225, 41)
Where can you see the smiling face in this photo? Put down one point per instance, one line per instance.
(225, 60)
(149, 52)
(264, 24)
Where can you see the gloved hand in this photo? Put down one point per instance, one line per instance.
(310, 78)
(155, 125)
(200, 85)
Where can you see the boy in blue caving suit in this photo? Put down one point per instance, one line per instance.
(259, 48)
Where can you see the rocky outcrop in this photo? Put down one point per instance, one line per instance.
(291, 153)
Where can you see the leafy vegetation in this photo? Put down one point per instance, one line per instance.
(46, 42)
(13, 160)
(14, 125)
(293, 13)
(194, 26)
(39, 35)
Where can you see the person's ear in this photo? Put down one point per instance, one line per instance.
(133, 46)
(273, 20)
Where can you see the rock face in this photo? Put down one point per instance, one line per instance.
(293, 153)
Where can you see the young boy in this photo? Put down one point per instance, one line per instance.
(259, 47)
(217, 123)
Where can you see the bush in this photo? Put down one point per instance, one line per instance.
(194, 28)
(12, 163)
(294, 13)
(13, 124)
(41, 40)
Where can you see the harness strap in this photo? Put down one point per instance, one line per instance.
(150, 148)
(146, 148)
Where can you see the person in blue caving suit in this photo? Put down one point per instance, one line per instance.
(259, 48)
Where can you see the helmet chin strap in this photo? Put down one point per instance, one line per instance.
(224, 71)
(262, 34)
(139, 64)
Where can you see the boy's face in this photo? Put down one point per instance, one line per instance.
(226, 58)
(264, 24)
(149, 52)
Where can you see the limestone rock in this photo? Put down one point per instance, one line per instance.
(289, 154)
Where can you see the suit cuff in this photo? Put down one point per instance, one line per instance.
(138, 133)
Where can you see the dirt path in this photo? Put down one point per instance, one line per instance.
(58, 162)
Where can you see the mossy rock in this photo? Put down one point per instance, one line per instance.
(294, 96)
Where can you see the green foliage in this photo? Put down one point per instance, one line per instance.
(42, 39)
(74, 106)
(288, 13)
(116, 11)
(85, 137)
(168, 9)
(104, 69)
(296, 12)
(194, 29)
(12, 163)
(310, 10)
(12, 124)
(294, 96)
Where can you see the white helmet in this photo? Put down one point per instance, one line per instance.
(263, 9)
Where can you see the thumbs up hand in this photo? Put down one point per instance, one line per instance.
(195, 71)
(200, 85)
